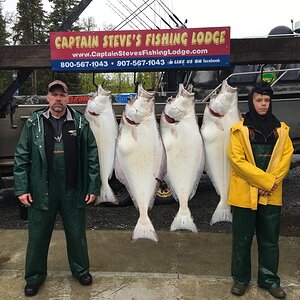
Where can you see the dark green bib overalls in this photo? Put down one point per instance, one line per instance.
(41, 223)
(265, 221)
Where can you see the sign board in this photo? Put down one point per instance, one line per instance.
(140, 50)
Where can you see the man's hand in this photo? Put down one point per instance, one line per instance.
(89, 198)
(263, 192)
(274, 187)
(266, 193)
(26, 199)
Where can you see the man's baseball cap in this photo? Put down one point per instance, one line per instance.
(57, 84)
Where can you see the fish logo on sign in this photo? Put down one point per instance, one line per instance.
(73, 132)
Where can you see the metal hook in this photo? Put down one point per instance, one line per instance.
(53, 75)
(262, 71)
(94, 83)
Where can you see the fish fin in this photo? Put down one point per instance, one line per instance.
(159, 176)
(134, 133)
(183, 221)
(174, 132)
(219, 125)
(144, 230)
(120, 175)
(106, 195)
(211, 177)
(167, 180)
(222, 213)
(119, 171)
(197, 179)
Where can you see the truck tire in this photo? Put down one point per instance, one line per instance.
(164, 195)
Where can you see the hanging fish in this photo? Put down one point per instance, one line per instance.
(102, 120)
(219, 115)
(185, 153)
(140, 158)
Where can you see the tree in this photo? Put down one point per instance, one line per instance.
(86, 82)
(88, 24)
(108, 27)
(149, 80)
(120, 83)
(5, 76)
(3, 32)
(61, 10)
(30, 27)
(11, 18)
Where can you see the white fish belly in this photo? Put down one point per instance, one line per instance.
(105, 131)
(139, 159)
(215, 144)
(185, 157)
(216, 161)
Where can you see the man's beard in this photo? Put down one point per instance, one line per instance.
(58, 108)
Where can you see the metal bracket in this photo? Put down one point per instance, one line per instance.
(284, 71)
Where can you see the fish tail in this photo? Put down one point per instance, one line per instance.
(106, 195)
(144, 230)
(222, 213)
(183, 221)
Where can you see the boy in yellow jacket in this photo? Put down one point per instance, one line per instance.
(260, 152)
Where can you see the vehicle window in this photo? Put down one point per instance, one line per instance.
(292, 76)
(244, 79)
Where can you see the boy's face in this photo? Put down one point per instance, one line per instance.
(261, 103)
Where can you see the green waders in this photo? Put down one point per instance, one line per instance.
(41, 223)
(266, 222)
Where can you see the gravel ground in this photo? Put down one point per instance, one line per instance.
(202, 207)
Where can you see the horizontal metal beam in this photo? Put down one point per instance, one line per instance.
(243, 51)
(265, 50)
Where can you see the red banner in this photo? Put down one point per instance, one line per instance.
(107, 49)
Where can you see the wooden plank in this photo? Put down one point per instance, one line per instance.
(25, 57)
(243, 51)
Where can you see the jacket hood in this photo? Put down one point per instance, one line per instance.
(240, 124)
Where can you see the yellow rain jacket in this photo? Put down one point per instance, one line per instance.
(246, 178)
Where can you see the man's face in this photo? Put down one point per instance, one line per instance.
(58, 100)
(261, 103)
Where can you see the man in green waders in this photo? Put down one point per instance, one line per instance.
(56, 169)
